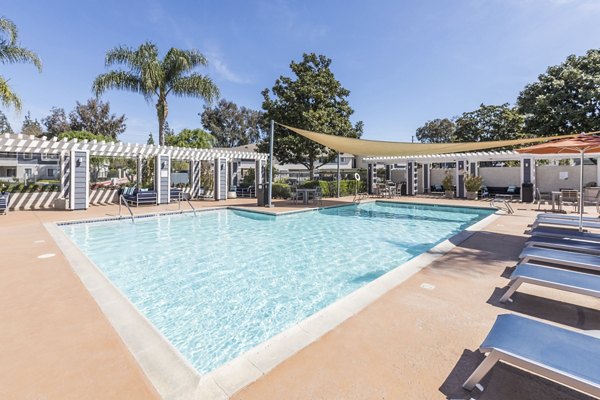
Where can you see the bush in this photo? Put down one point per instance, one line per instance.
(329, 188)
(448, 181)
(281, 191)
(473, 183)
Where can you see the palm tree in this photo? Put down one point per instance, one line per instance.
(148, 75)
(11, 53)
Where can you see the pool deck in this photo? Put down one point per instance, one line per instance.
(419, 340)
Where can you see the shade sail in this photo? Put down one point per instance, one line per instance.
(376, 148)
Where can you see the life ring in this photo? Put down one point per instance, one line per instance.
(357, 176)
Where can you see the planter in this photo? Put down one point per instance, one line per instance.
(471, 195)
(449, 194)
(232, 195)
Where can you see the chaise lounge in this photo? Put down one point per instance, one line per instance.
(4, 202)
(562, 355)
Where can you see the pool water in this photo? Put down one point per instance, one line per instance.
(218, 284)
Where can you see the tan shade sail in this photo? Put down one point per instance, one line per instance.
(376, 148)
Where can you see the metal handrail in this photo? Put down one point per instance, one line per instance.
(121, 201)
(192, 207)
(507, 206)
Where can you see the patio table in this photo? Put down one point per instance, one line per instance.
(305, 194)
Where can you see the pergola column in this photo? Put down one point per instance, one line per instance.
(371, 176)
(258, 174)
(79, 180)
(65, 175)
(388, 172)
(162, 178)
(195, 170)
(527, 173)
(140, 169)
(426, 177)
(460, 169)
(411, 178)
(220, 179)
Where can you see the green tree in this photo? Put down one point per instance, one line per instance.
(196, 138)
(56, 123)
(231, 125)
(31, 126)
(489, 123)
(313, 100)
(150, 139)
(4, 124)
(84, 135)
(156, 78)
(566, 99)
(11, 52)
(437, 131)
(94, 116)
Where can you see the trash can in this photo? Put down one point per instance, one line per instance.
(527, 192)
(262, 195)
(403, 188)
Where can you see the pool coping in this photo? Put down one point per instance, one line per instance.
(173, 376)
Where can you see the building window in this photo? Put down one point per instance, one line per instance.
(49, 157)
(11, 172)
(27, 156)
(28, 173)
(51, 172)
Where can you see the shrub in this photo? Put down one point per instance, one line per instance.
(448, 181)
(473, 183)
(281, 191)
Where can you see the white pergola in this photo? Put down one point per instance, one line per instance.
(74, 161)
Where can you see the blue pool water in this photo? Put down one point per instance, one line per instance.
(221, 283)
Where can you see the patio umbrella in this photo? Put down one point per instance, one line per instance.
(581, 144)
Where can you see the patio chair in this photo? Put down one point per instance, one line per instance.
(555, 232)
(295, 195)
(318, 196)
(570, 197)
(4, 202)
(560, 258)
(567, 244)
(565, 356)
(593, 200)
(541, 198)
(512, 190)
(556, 278)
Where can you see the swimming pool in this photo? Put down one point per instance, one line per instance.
(221, 283)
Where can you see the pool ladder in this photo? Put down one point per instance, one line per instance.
(504, 206)
(122, 201)
(182, 197)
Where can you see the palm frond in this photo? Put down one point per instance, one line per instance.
(14, 54)
(9, 28)
(195, 85)
(177, 61)
(132, 58)
(7, 97)
(119, 80)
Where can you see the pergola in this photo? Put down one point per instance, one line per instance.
(74, 161)
(464, 163)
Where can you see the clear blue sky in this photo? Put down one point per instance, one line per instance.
(405, 62)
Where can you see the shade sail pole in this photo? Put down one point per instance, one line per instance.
(581, 192)
(338, 175)
(271, 163)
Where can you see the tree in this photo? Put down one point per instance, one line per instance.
(314, 100)
(150, 139)
(56, 123)
(232, 126)
(157, 78)
(196, 138)
(11, 52)
(31, 126)
(489, 123)
(94, 116)
(4, 124)
(84, 135)
(566, 99)
(437, 131)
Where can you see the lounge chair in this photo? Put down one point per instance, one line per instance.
(567, 217)
(141, 197)
(556, 278)
(4, 202)
(567, 244)
(560, 258)
(543, 231)
(566, 222)
(562, 355)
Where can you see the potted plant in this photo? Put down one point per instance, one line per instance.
(448, 184)
(472, 185)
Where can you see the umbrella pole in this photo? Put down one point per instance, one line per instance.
(581, 193)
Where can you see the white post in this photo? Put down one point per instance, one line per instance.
(271, 163)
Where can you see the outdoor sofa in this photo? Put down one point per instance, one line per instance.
(4, 201)
(137, 197)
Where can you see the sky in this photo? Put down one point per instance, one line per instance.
(404, 62)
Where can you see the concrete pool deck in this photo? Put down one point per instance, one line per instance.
(417, 341)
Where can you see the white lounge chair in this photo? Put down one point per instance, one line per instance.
(567, 244)
(543, 231)
(561, 258)
(567, 217)
(566, 222)
(556, 278)
(562, 355)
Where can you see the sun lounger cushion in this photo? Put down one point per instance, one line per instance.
(559, 257)
(548, 231)
(567, 244)
(564, 355)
